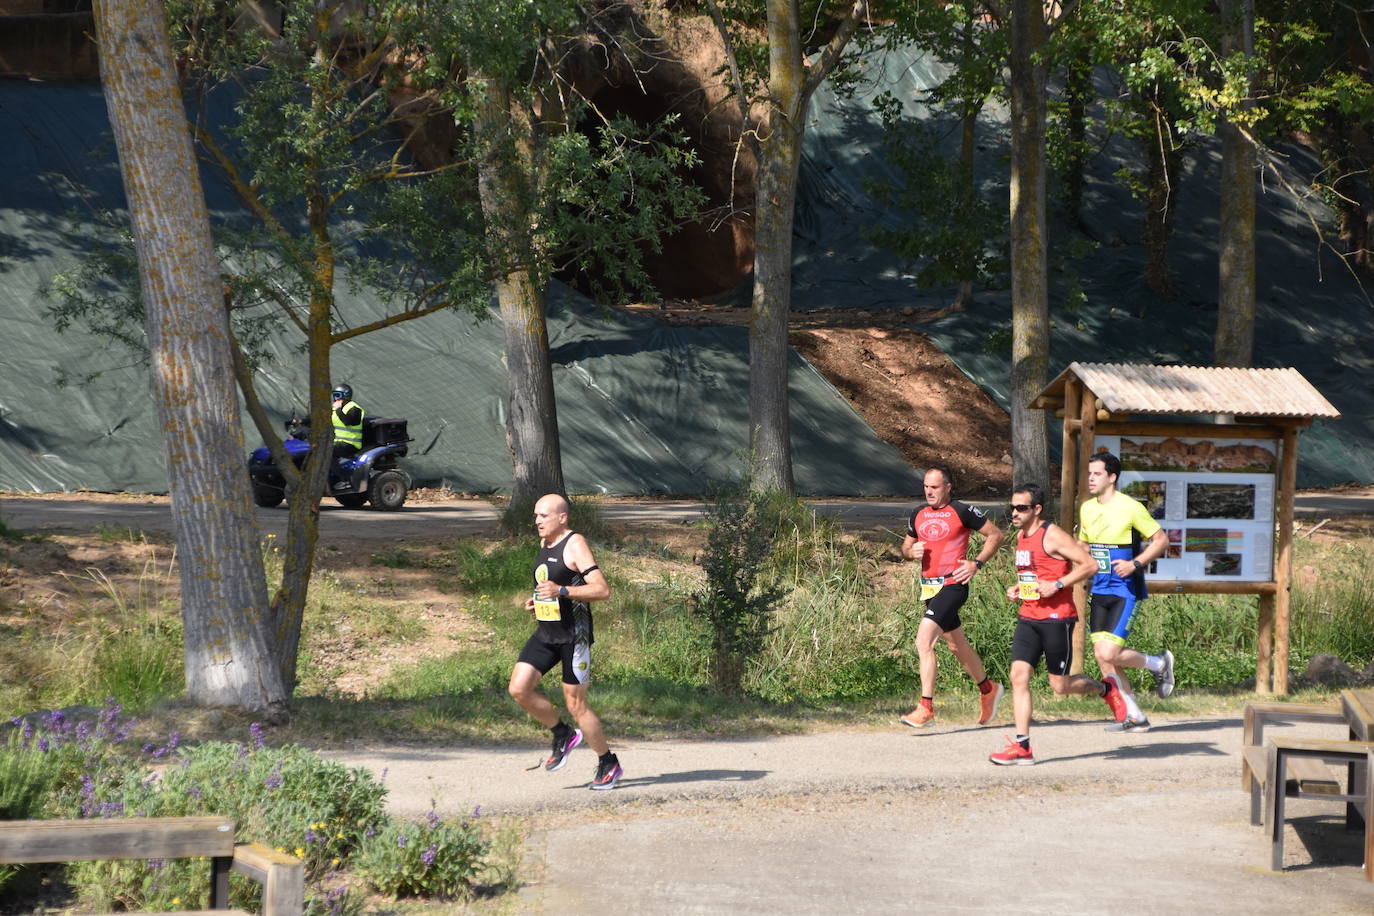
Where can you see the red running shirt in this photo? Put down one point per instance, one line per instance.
(1033, 563)
(944, 532)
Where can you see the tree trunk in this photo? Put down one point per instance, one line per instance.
(223, 591)
(775, 191)
(504, 178)
(1078, 91)
(1235, 337)
(963, 297)
(1030, 310)
(1162, 157)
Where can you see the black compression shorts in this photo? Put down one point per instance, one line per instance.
(576, 658)
(944, 607)
(1051, 638)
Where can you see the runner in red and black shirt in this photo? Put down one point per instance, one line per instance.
(1049, 561)
(937, 537)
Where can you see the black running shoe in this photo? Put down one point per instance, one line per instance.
(562, 747)
(607, 774)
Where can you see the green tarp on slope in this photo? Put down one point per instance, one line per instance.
(643, 408)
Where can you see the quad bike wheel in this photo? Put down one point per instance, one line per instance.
(388, 491)
(266, 496)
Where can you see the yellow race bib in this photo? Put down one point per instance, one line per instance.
(1030, 586)
(545, 608)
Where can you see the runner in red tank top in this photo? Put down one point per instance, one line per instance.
(1049, 562)
(937, 537)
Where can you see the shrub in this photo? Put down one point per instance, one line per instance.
(735, 600)
(288, 798)
(434, 857)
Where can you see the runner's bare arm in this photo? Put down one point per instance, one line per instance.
(1062, 545)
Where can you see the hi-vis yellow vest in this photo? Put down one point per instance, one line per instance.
(348, 435)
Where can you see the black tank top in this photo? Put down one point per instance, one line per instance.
(575, 617)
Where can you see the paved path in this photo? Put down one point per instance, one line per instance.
(475, 517)
(885, 821)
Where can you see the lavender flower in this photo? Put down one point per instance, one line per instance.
(257, 732)
(401, 840)
(428, 855)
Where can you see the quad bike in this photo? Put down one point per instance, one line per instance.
(369, 476)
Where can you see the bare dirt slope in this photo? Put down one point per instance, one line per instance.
(900, 382)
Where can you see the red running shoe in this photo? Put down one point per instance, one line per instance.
(1013, 755)
(1114, 700)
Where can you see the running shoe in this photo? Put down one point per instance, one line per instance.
(1115, 702)
(1013, 755)
(562, 747)
(919, 717)
(1164, 680)
(607, 774)
(987, 703)
(1131, 724)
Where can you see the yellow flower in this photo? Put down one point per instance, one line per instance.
(300, 853)
(336, 861)
(175, 901)
(339, 835)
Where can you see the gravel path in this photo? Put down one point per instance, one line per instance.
(882, 821)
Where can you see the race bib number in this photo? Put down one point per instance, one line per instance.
(1103, 557)
(1030, 586)
(931, 587)
(547, 609)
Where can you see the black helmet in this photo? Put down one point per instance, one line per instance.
(342, 393)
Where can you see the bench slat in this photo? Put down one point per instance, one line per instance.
(1358, 706)
(115, 838)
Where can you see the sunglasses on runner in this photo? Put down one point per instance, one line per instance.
(1015, 508)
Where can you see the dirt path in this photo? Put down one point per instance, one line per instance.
(886, 820)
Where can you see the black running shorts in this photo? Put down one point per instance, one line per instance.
(576, 658)
(1051, 638)
(944, 607)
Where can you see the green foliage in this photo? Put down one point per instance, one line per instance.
(288, 798)
(954, 235)
(736, 601)
(500, 570)
(435, 857)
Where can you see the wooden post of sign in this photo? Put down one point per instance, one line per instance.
(1283, 558)
(1264, 644)
(1087, 432)
(1068, 471)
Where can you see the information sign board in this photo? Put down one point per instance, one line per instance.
(1213, 497)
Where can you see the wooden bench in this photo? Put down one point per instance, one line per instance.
(1281, 753)
(1312, 776)
(282, 876)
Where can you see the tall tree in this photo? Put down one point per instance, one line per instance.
(1029, 26)
(782, 93)
(1235, 335)
(330, 107)
(223, 591)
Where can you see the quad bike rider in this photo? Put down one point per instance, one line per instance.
(363, 468)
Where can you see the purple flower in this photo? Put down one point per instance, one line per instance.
(401, 840)
(433, 818)
(194, 792)
(256, 731)
(43, 744)
(273, 780)
(428, 855)
(477, 812)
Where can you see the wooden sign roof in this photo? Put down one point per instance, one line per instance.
(1130, 388)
